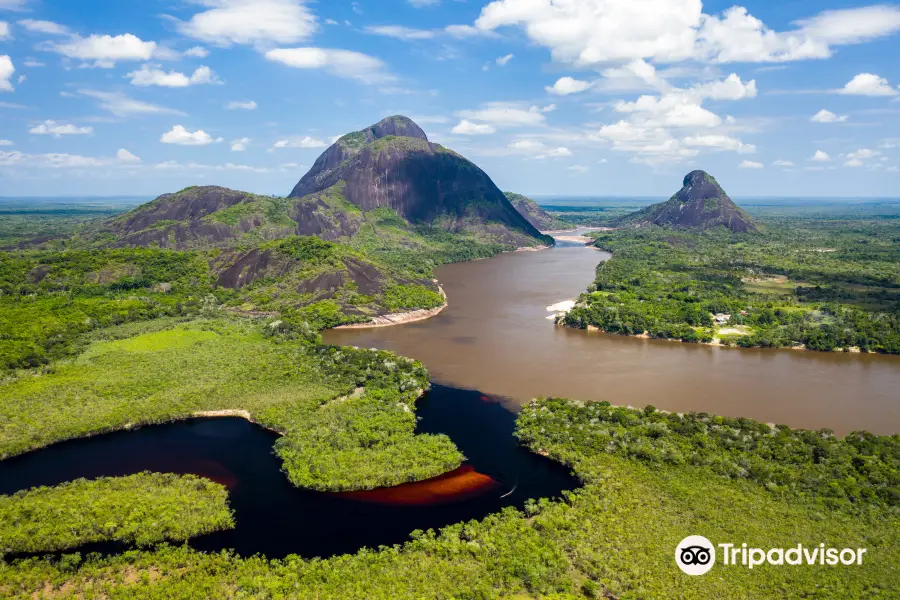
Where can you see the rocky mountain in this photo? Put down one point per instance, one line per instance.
(390, 166)
(393, 165)
(534, 214)
(701, 203)
(362, 230)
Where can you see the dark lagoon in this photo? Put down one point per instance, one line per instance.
(275, 518)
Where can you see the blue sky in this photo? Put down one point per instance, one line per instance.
(569, 97)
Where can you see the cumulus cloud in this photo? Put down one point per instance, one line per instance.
(59, 129)
(251, 22)
(719, 142)
(148, 76)
(122, 105)
(45, 27)
(125, 156)
(749, 164)
(537, 149)
(507, 114)
(6, 72)
(4, 31)
(105, 50)
(594, 32)
(820, 156)
(341, 63)
(467, 127)
(578, 169)
(300, 142)
(5, 143)
(826, 116)
(182, 137)
(240, 145)
(783, 163)
(730, 88)
(567, 85)
(501, 61)
(241, 105)
(196, 52)
(853, 162)
(868, 84)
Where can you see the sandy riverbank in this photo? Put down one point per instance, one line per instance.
(400, 318)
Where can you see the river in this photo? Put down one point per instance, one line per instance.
(494, 337)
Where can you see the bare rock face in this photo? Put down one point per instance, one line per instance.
(393, 165)
(536, 215)
(701, 203)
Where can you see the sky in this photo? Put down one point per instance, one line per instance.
(549, 97)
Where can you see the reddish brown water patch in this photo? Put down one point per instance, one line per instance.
(459, 484)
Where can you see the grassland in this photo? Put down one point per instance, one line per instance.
(140, 509)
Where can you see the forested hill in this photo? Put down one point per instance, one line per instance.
(701, 203)
(536, 215)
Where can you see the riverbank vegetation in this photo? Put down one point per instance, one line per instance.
(613, 538)
(141, 509)
(277, 372)
(803, 282)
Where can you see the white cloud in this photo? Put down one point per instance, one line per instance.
(127, 157)
(12, 4)
(501, 61)
(53, 161)
(783, 163)
(182, 137)
(467, 127)
(6, 72)
(59, 129)
(240, 145)
(125, 106)
(341, 63)
(5, 143)
(148, 76)
(731, 88)
(239, 105)
(196, 52)
(4, 31)
(719, 142)
(300, 142)
(749, 164)
(251, 22)
(506, 114)
(46, 27)
(826, 116)
(32, 63)
(567, 85)
(578, 169)
(105, 50)
(853, 162)
(595, 32)
(423, 3)
(402, 33)
(864, 153)
(820, 156)
(670, 110)
(537, 149)
(868, 84)
(892, 169)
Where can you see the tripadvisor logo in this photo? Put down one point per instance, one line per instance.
(696, 555)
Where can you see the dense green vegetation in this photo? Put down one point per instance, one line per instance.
(613, 538)
(282, 377)
(819, 284)
(24, 221)
(140, 509)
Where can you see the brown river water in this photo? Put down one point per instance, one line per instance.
(494, 337)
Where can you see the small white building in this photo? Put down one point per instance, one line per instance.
(721, 318)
